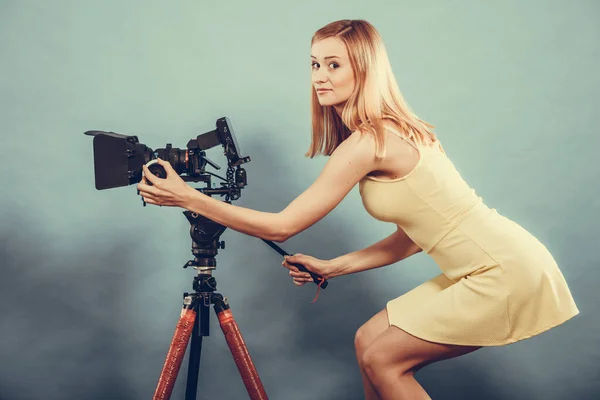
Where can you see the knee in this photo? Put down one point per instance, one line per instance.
(362, 339)
(381, 365)
(376, 364)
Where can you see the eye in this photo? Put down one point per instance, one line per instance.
(332, 65)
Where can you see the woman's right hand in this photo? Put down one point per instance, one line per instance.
(322, 268)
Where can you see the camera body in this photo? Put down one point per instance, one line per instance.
(118, 160)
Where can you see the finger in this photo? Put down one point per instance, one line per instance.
(296, 258)
(293, 274)
(147, 190)
(298, 283)
(166, 165)
(301, 275)
(150, 176)
(292, 265)
(288, 266)
(300, 260)
(148, 196)
(150, 200)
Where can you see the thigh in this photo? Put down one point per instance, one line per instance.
(371, 329)
(397, 348)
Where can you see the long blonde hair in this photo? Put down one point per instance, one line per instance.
(376, 96)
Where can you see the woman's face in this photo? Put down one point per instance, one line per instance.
(332, 75)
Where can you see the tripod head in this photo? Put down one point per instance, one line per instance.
(205, 234)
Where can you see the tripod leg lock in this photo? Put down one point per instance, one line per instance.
(220, 303)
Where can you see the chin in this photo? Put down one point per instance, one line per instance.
(327, 102)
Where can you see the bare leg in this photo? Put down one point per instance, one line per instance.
(394, 356)
(400, 387)
(370, 393)
(365, 335)
(411, 387)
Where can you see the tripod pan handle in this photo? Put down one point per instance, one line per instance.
(318, 279)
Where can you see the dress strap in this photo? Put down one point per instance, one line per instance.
(403, 138)
(413, 145)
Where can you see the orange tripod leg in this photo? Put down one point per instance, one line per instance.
(177, 349)
(240, 353)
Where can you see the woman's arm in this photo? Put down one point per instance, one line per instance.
(352, 160)
(264, 225)
(393, 248)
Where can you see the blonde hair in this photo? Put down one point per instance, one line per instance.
(376, 96)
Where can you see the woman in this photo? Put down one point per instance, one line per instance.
(498, 284)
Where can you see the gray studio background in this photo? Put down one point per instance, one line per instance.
(91, 282)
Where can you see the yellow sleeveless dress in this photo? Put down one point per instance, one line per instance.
(498, 284)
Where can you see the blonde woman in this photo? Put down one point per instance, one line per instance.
(498, 284)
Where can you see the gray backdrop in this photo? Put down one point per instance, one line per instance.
(91, 281)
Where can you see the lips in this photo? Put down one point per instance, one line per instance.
(323, 90)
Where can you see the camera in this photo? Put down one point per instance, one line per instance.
(118, 160)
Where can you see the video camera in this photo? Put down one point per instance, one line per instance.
(118, 160)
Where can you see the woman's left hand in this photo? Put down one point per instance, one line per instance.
(170, 191)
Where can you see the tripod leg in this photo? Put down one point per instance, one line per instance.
(179, 344)
(238, 349)
(193, 365)
(201, 329)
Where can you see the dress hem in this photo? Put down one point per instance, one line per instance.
(430, 338)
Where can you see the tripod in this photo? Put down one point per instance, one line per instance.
(205, 235)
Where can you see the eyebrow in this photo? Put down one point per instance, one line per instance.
(326, 57)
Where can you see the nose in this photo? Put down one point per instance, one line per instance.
(319, 76)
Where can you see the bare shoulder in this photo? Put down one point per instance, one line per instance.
(359, 147)
(401, 155)
(361, 141)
